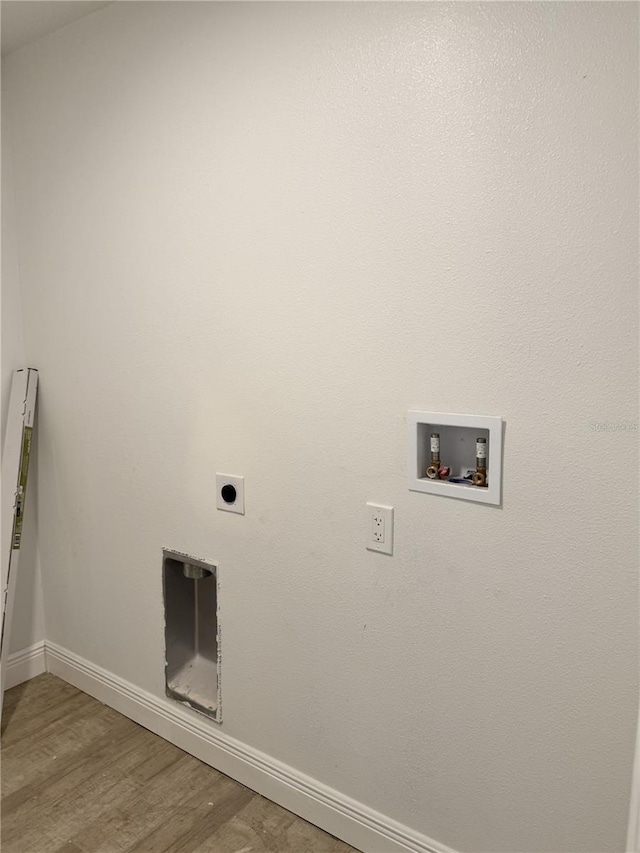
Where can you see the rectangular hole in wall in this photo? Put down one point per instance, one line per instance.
(191, 632)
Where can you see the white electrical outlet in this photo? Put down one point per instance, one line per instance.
(379, 521)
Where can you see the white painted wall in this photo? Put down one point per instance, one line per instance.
(252, 237)
(28, 619)
(12, 353)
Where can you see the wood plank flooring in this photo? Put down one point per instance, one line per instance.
(78, 777)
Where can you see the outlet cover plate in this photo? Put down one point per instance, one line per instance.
(237, 505)
(379, 527)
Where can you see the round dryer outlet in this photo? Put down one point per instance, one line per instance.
(230, 493)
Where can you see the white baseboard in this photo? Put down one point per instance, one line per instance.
(353, 822)
(25, 664)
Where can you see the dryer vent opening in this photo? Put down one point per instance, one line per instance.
(192, 651)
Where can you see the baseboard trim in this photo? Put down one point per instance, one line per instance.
(353, 822)
(25, 664)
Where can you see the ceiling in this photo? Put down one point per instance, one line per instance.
(24, 21)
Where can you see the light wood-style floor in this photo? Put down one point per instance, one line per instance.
(77, 777)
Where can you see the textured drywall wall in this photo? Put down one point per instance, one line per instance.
(252, 237)
(28, 619)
